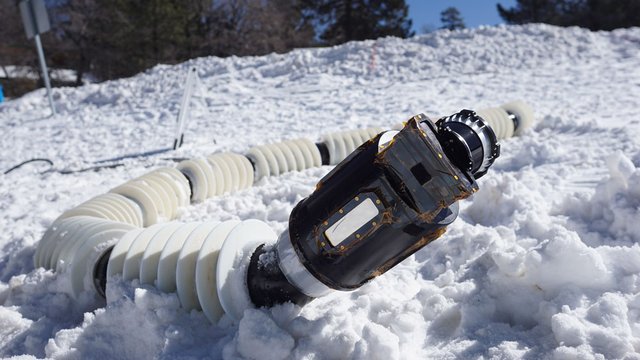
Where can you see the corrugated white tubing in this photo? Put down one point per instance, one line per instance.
(341, 144)
(502, 125)
(158, 194)
(278, 158)
(75, 244)
(523, 111)
(108, 206)
(217, 174)
(499, 121)
(183, 258)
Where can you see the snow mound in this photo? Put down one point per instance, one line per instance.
(543, 262)
(611, 215)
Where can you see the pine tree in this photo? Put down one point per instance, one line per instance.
(610, 14)
(14, 47)
(592, 14)
(131, 36)
(451, 19)
(346, 20)
(76, 38)
(527, 11)
(272, 26)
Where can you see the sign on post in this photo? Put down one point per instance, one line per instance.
(34, 17)
(36, 21)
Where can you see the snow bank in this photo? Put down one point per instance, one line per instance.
(543, 262)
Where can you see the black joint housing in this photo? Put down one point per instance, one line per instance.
(267, 284)
(100, 273)
(324, 153)
(252, 162)
(191, 188)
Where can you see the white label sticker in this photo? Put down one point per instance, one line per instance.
(351, 221)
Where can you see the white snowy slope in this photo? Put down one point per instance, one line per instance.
(543, 262)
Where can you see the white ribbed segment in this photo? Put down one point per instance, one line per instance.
(166, 271)
(58, 232)
(502, 124)
(235, 171)
(245, 169)
(145, 197)
(214, 177)
(83, 258)
(197, 178)
(205, 270)
(133, 258)
(75, 244)
(151, 253)
(140, 249)
(276, 159)
(60, 247)
(231, 267)
(185, 270)
(178, 183)
(523, 111)
(158, 194)
(341, 144)
(310, 152)
(217, 174)
(499, 121)
(108, 206)
(119, 252)
(184, 258)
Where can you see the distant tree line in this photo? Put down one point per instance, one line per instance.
(591, 14)
(116, 38)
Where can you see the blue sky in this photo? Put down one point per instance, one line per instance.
(474, 12)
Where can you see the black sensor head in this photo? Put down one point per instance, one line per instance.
(468, 142)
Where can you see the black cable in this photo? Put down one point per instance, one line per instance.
(175, 159)
(26, 162)
(94, 168)
(64, 172)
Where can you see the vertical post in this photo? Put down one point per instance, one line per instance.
(192, 78)
(36, 21)
(45, 73)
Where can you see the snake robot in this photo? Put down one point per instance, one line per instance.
(390, 194)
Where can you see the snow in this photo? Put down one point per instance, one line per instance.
(13, 71)
(543, 262)
(257, 332)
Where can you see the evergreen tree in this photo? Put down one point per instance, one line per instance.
(451, 19)
(15, 49)
(609, 14)
(259, 27)
(76, 38)
(592, 14)
(527, 11)
(346, 20)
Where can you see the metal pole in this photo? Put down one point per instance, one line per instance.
(45, 73)
(192, 78)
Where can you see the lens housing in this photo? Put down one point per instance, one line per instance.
(468, 142)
